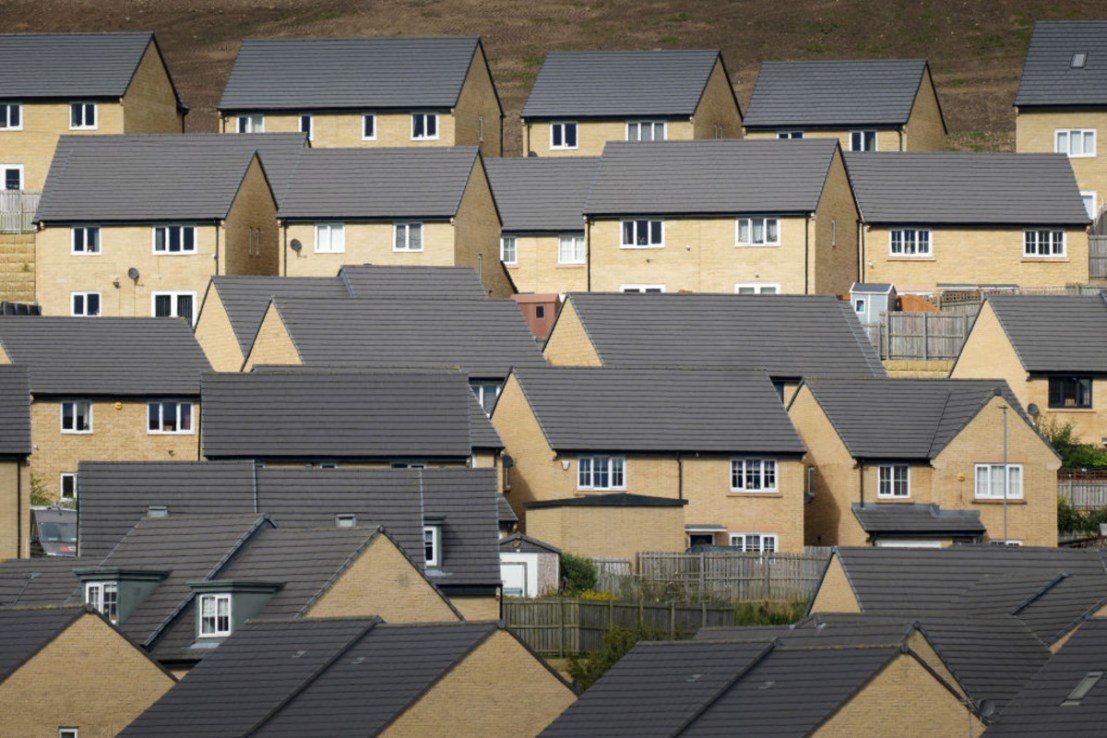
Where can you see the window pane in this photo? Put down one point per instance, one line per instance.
(770, 230)
(432, 126)
(415, 239)
(92, 303)
(163, 306)
(153, 417)
(556, 135)
(628, 233)
(369, 126)
(655, 232)
(743, 230)
(1062, 142)
(571, 135)
(184, 307)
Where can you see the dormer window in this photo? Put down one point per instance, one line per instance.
(345, 520)
(104, 597)
(1079, 60)
(215, 615)
(432, 545)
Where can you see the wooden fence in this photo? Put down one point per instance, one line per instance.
(1084, 494)
(17, 210)
(919, 335)
(733, 577)
(1097, 257)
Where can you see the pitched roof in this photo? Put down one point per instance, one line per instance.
(15, 412)
(929, 519)
(1049, 76)
(69, 65)
(786, 335)
(520, 543)
(341, 73)
(718, 178)
(874, 92)
(598, 84)
(375, 184)
(1055, 333)
(159, 177)
(905, 418)
(938, 188)
(661, 410)
(117, 356)
(38, 582)
(437, 282)
(25, 632)
(539, 195)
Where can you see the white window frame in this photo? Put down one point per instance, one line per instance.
(62, 478)
(178, 407)
(562, 126)
(250, 123)
(751, 225)
(1068, 135)
(642, 288)
(425, 117)
(481, 390)
(168, 228)
(406, 227)
(84, 296)
(87, 414)
(863, 134)
(368, 117)
(215, 631)
(860, 305)
(509, 255)
(95, 596)
(888, 484)
(1093, 211)
(916, 243)
(1013, 481)
(1032, 243)
(574, 247)
(741, 540)
(635, 128)
(636, 224)
(758, 288)
(435, 532)
(789, 135)
(765, 472)
(330, 238)
(84, 231)
(6, 116)
(84, 124)
(175, 301)
(6, 167)
(616, 466)
(310, 125)
(69, 733)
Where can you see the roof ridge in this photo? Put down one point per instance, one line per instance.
(711, 699)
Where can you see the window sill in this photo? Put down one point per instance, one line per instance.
(744, 493)
(990, 501)
(640, 248)
(894, 500)
(570, 266)
(757, 245)
(1039, 259)
(911, 258)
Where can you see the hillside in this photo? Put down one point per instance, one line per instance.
(975, 48)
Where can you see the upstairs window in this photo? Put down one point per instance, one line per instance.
(757, 288)
(307, 125)
(989, 481)
(424, 126)
(251, 123)
(601, 472)
(1070, 392)
(330, 238)
(753, 475)
(432, 545)
(215, 615)
(11, 117)
(82, 116)
(1076, 142)
(893, 481)
(68, 485)
(789, 135)
(169, 417)
(563, 135)
(174, 305)
(175, 239)
(486, 394)
(509, 253)
(84, 304)
(103, 597)
(76, 416)
(758, 232)
(1043, 243)
(570, 250)
(12, 176)
(368, 127)
(862, 140)
(85, 240)
(408, 237)
(910, 242)
(643, 234)
(646, 130)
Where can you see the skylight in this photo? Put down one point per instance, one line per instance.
(1077, 695)
(1079, 59)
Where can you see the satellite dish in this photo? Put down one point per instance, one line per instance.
(133, 274)
(296, 245)
(1033, 410)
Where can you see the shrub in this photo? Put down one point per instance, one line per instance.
(578, 574)
(1074, 453)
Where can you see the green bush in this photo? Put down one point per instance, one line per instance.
(1070, 520)
(39, 495)
(1074, 453)
(769, 612)
(578, 574)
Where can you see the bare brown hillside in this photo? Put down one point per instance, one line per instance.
(975, 46)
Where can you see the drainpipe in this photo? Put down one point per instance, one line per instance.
(218, 227)
(19, 510)
(284, 250)
(588, 253)
(861, 467)
(807, 255)
(861, 251)
(680, 477)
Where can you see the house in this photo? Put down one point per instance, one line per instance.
(15, 447)
(1061, 103)
(935, 220)
(920, 462)
(529, 567)
(670, 457)
(867, 104)
(403, 207)
(137, 225)
(67, 671)
(361, 676)
(345, 92)
(583, 99)
(1049, 350)
(721, 216)
(541, 203)
(112, 388)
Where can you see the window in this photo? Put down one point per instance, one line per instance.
(169, 417)
(85, 240)
(1043, 243)
(215, 615)
(67, 484)
(601, 472)
(754, 542)
(540, 311)
(753, 475)
(432, 544)
(330, 238)
(424, 126)
(345, 520)
(85, 304)
(893, 481)
(859, 306)
(104, 596)
(509, 253)
(563, 135)
(1079, 60)
(408, 237)
(11, 117)
(174, 305)
(13, 176)
(1089, 198)
(1068, 392)
(307, 126)
(989, 481)
(486, 394)
(369, 127)
(643, 234)
(758, 232)
(642, 288)
(251, 123)
(174, 239)
(1084, 686)
(862, 140)
(76, 416)
(789, 135)
(646, 130)
(69, 733)
(910, 242)
(757, 288)
(82, 116)
(570, 250)
(1076, 142)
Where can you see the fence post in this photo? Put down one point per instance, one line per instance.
(886, 334)
(926, 336)
(765, 576)
(561, 628)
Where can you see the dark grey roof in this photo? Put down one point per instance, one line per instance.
(15, 412)
(658, 410)
(891, 519)
(38, 582)
(1048, 77)
(466, 503)
(717, 178)
(541, 195)
(598, 84)
(159, 177)
(373, 280)
(69, 65)
(118, 356)
(484, 338)
(1055, 333)
(25, 632)
(904, 418)
(618, 499)
(938, 188)
(787, 336)
(341, 73)
(376, 184)
(330, 415)
(520, 543)
(874, 92)
(507, 515)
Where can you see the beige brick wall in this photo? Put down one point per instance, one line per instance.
(833, 266)
(477, 234)
(273, 344)
(216, 336)
(1034, 132)
(834, 593)
(17, 267)
(89, 677)
(15, 510)
(149, 105)
(887, 139)
(924, 130)
(43, 123)
(593, 135)
(569, 344)
(477, 608)
(616, 532)
(536, 268)
(526, 444)
(367, 243)
(344, 129)
(254, 211)
(477, 114)
(481, 696)
(717, 115)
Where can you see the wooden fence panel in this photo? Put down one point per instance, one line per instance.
(733, 576)
(1097, 257)
(17, 210)
(1086, 494)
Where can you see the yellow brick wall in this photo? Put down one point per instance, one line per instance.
(254, 209)
(925, 652)
(368, 243)
(344, 129)
(924, 130)
(15, 510)
(33, 147)
(717, 112)
(833, 266)
(835, 593)
(536, 268)
(569, 344)
(973, 256)
(1034, 132)
(89, 677)
(616, 532)
(477, 608)
(526, 444)
(887, 139)
(593, 135)
(149, 105)
(481, 696)
(216, 336)
(477, 234)
(476, 102)
(273, 344)
(17, 267)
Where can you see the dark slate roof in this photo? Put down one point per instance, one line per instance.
(873, 92)
(25, 632)
(541, 195)
(710, 178)
(466, 502)
(329, 415)
(658, 410)
(69, 65)
(159, 177)
(904, 418)
(378, 184)
(118, 356)
(1055, 333)
(787, 336)
(507, 515)
(484, 338)
(1048, 77)
(618, 499)
(520, 543)
(437, 282)
(938, 188)
(599, 84)
(892, 519)
(39, 582)
(341, 73)
(15, 412)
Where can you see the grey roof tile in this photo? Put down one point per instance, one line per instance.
(1055, 333)
(15, 412)
(25, 632)
(520, 543)
(1048, 75)
(38, 582)
(69, 65)
(404, 282)
(891, 519)
(541, 195)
